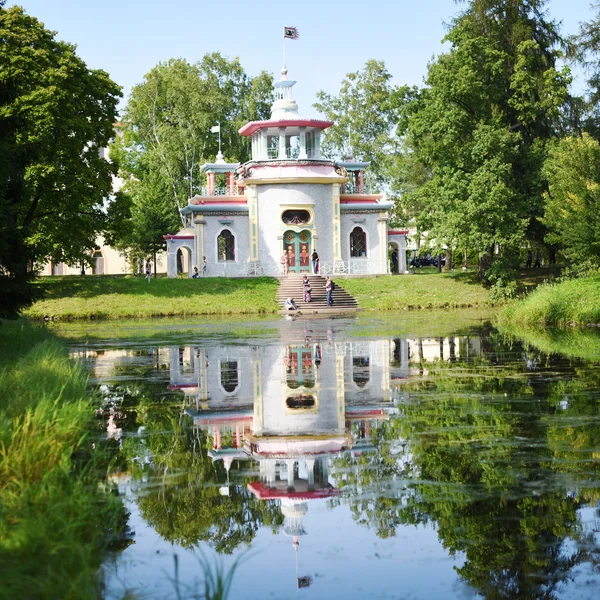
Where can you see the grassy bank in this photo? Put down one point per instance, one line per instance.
(54, 521)
(573, 302)
(107, 297)
(435, 290)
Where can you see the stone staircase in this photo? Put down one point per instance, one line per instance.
(291, 285)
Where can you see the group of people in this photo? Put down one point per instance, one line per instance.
(285, 262)
(290, 303)
(529, 259)
(196, 274)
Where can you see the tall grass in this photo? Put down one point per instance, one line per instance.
(54, 520)
(572, 302)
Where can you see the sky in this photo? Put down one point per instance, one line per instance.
(127, 38)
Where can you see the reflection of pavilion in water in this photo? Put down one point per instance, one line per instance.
(291, 407)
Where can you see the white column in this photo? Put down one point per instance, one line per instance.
(263, 145)
(310, 468)
(290, 471)
(317, 144)
(302, 142)
(281, 143)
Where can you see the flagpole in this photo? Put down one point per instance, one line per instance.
(284, 45)
(219, 122)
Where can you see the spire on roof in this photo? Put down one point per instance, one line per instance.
(285, 106)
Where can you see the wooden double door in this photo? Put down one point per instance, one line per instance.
(297, 244)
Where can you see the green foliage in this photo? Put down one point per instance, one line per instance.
(166, 137)
(574, 302)
(572, 209)
(50, 503)
(480, 126)
(55, 116)
(364, 115)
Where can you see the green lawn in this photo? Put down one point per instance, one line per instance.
(427, 290)
(75, 297)
(78, 297)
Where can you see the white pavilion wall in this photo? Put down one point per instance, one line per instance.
(371, 227)
(212, 229)
(273, 200)
(377, 388)
(278, 419)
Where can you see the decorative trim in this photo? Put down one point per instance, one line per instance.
(357, 219)
(400, 232)
(224, 220)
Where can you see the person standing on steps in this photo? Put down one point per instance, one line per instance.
(315, 261)
(284, 262)
(148, 270)
(329, 287)
(307, 289)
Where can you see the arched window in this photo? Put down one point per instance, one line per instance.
(226, 245)
(229, 375)
(358, 243)
(360, 370)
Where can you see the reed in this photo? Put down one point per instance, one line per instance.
(55, 522)
(572, 302)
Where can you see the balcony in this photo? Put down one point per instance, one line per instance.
(225, 190)
(351, 188)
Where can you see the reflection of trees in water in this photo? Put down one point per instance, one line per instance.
(183, 503)
(486, 468)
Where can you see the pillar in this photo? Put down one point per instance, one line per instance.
(337, 223)
(302, 143)
(199, 223)
(361, 182)
(281, 155)
(384, 263)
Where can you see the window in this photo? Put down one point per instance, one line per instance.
(226, 245)
(229, 375)
(295, 217)
(360, 370)
(302, 401)
(358, 243)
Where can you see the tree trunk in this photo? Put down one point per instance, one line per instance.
(154, 258)
(439, 263)
(448, 265)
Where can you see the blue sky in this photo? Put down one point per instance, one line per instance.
(127, 38)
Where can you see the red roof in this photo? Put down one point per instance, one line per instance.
(253, 126)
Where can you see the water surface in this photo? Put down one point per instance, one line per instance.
(351, 458)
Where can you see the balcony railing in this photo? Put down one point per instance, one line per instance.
(357, 266)
(225, 190)
(350, 188)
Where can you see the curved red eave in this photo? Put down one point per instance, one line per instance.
(250, 128)
(263, 492)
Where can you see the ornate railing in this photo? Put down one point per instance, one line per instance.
(225, 190)
(237, 269)
(350, 188)
(359, 266)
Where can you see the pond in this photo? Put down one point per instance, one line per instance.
(375, 457)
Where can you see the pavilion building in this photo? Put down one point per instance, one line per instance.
(287, 198)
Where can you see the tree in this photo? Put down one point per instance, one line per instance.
(572, 208)
(481, 125)
(365, 117)
(167, 136)
(55, 116)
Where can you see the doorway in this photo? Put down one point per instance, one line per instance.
(298, 248)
